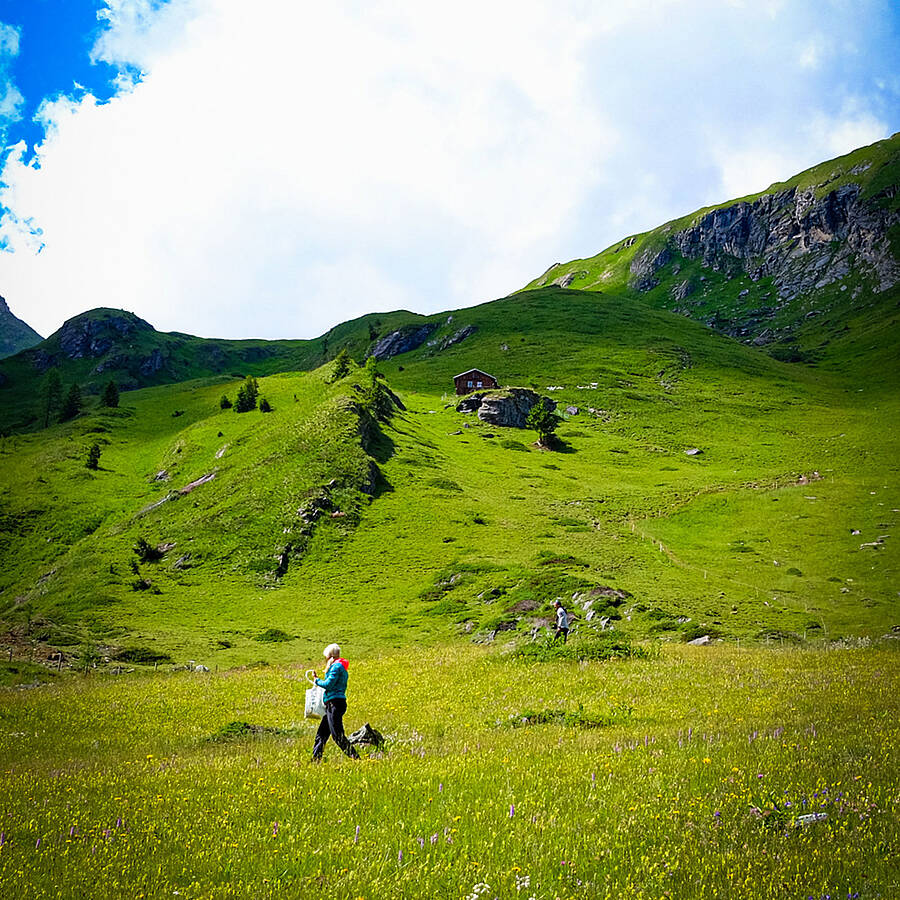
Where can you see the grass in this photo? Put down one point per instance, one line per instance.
(467, 534)
(685, 776)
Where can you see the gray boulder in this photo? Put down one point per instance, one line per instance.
(367, 735)
(507, 409)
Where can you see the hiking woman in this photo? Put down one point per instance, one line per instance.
(335, 684)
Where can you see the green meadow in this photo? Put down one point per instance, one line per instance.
(698, 772)
(431, 546)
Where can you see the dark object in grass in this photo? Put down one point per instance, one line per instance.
(235, 731)
(577, 719)
(367, 735)
(146, 552)
(274, 636)
(93, 458)
(141, 655)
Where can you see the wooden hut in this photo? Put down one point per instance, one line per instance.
(474, 380)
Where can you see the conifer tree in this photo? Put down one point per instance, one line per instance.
(341, 365)
(264, 405)
(246, 395)
(543, 420)
(93, 460)
(225, 403)
(71, 405)
(110, 395)
(52, 394)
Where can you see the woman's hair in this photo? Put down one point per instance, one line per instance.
(332, 651)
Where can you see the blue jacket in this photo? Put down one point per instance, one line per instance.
(335, 681)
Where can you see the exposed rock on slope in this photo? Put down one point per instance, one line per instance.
(801, 241)
(508, 408)
(825, 243)
(402, 341)
(15, 335)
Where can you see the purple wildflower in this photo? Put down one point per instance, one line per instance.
(356, 838)
(119, 822)
(275, 829)
(593, 777)
(512, 809)
(421, 841)
(72, 831)
(2, 838)
(399, 856)
(37, 843)
(434, 838)
(441, 787)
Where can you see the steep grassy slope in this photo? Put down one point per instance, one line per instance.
(786, 267)
(15, 335)
(474, 529)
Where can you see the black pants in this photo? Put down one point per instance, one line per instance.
(561, 631)
(332, 725)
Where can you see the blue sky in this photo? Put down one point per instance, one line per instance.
(270, 169)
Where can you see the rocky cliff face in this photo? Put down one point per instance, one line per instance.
(15, 335)
(86, 337)
(802, 241)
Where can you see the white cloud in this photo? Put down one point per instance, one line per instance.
(284, 166)
(10, 98)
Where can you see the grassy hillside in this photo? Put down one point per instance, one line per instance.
(104, 345)
(474, 530)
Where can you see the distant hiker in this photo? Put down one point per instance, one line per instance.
(562, 622)
(335, 684)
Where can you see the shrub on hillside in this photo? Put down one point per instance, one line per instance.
(274, 636)
(93, 458)
(264, 405)
(225, 403)
(597, 646)
(146, 552)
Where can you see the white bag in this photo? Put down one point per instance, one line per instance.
(315, 699)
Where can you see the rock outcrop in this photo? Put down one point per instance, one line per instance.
(92, 336)
(508, 408)
(802, 240)
(402, 340)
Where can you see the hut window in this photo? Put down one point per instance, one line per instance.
(469, 384)
(479, 384)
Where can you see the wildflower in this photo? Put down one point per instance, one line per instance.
(37, 843)
(707, 760)
(512, 810)
(434, 838)
(275, 829)
(356, 837)
(399, 856)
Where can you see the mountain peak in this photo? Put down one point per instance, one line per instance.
(15, 335)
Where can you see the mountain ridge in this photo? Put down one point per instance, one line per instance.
(758, 268)
(15, 334)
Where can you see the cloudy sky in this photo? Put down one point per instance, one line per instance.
(268, 169)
